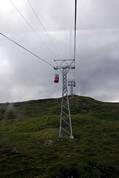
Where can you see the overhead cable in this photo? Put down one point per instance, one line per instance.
(27, 22)
(75, 26)
(35, 14)
(29, 51)
(40, 22)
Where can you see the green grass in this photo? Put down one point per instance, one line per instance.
(30, 147)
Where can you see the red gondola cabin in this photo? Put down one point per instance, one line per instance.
(56, 78)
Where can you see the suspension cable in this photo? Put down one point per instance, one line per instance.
(75, 26)
(28, 23)
(29, 51)
(41, 23)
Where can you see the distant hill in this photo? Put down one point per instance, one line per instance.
(30, 147)
(52, 106)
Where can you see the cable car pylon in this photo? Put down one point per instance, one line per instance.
(64, 66)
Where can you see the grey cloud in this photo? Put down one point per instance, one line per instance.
(23, 77)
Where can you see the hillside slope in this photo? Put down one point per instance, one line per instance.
(30, 147)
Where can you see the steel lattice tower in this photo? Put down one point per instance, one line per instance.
(64, 66)
(65, 129)
(65, 116)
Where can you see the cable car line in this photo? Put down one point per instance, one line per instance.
(27, 22)
(75, 37)
(36, 15)
(75, 26)
(29, 51)
(39, 20)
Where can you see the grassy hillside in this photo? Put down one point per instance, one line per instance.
(30, 148)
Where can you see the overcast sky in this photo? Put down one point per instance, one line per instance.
(23, 77)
